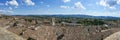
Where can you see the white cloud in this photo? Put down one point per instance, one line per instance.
(109, 3)
(79, 5)
(12, 2)
(64, 7)
(6, 11)
(118, 1)
(103, 3)
(66, 1)
(29, 2)
(76, 5)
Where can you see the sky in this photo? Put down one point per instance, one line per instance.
(61, 7)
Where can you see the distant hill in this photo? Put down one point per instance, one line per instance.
(74, 16)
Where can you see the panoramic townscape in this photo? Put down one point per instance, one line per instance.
(46, 27)
(59, 19)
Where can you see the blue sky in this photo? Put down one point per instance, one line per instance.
(65, 7)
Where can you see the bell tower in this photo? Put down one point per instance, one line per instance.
(53, 21)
